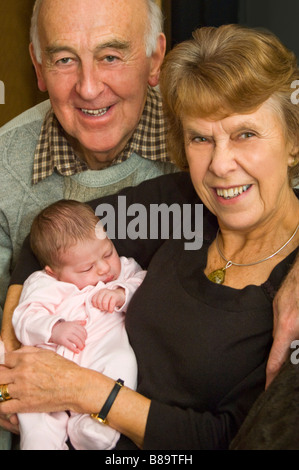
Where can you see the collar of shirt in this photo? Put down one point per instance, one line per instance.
(54, 152)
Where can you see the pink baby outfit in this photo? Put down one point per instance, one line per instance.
(43, 302)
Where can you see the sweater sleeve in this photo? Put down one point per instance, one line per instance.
(169, 189)
(5, 259)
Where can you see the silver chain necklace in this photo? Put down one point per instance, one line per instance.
(218, 276)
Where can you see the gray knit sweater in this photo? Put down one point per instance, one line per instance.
(20, 201)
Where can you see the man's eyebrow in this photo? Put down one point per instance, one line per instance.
(51, 50)
(113, 44)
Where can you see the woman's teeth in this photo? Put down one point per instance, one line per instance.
(232, 192)
(95, 112)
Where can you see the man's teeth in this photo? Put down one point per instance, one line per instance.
(95, 112)
(232, 192)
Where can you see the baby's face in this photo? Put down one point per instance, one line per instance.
(89, 262)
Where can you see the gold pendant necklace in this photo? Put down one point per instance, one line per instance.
(218, 276)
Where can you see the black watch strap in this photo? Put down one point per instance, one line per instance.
(102, 415)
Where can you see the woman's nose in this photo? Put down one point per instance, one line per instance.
(223, 160)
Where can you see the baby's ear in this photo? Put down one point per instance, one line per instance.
(50, 271)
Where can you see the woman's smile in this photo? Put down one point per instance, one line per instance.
(232, 192)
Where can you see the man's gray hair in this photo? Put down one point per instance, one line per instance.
(155, 27)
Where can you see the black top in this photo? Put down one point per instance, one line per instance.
(201, 348)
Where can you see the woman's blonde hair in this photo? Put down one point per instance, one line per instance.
(228, 70)
(58, 227)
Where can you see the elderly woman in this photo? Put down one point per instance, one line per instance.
(201, 323)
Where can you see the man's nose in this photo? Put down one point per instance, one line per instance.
(89, 84)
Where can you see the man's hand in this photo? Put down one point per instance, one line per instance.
(286, 322)
(70, 334)
(7, 332)
(108, 299)
(10, 423)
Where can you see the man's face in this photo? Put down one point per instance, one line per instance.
(96, 71)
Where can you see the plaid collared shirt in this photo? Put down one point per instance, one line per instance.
(54, 152)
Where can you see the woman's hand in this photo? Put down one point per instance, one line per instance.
(9, 422)
(39, 380)
(42, 381)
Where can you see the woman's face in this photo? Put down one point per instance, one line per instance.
(239, 165)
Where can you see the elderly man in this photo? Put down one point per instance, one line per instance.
(102, 129)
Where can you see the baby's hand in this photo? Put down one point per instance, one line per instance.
(70, 334)
(107, 299)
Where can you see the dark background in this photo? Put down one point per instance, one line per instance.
(279, 16)
(182, 17)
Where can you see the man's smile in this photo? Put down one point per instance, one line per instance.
(95, 112)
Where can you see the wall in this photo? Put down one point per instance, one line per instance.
(281, 17)
(16, 70)
(187, 15)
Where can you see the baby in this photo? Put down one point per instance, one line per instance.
(67, 307)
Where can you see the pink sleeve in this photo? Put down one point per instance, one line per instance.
(130, 279)
(35, 315)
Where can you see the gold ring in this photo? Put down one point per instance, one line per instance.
(4, 395)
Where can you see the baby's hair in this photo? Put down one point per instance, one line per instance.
(58, 227)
